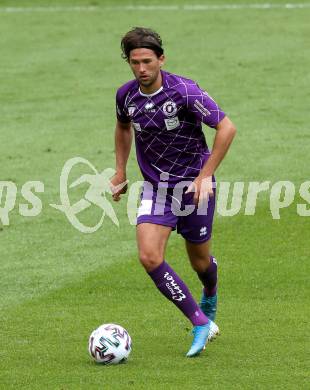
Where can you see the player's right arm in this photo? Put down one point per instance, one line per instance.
(123, 141)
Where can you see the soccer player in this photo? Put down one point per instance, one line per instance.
(166, 112)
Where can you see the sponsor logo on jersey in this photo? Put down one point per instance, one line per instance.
(131, 109)
(201, 108)
(170, 108)
(137, 126)
(172, 123)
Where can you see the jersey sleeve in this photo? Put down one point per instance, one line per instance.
(121, 111)
(203, 106)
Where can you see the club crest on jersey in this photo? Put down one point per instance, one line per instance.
(170, 108)
(131, 109)
(172, 123)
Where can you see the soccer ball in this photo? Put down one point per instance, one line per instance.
(109, 344)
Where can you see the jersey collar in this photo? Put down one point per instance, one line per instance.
(163, 85)
(151, 94)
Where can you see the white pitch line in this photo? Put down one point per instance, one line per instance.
(204, 7)
(184, 7)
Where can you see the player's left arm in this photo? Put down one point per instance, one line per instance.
(202, 185)
(206, 110)
(225, 132)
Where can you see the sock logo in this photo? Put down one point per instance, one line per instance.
(174, 288)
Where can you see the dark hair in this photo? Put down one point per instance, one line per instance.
(141, 37)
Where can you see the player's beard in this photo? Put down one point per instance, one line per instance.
(149, 82)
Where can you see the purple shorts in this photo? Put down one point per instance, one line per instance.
(176, 209)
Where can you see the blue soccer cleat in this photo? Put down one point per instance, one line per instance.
(202, 334)
(209, 305)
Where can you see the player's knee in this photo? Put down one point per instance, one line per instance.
(201, 265)
(150, 260)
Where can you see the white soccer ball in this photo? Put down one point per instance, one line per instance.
(109, 344)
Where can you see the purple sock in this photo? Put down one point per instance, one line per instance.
(209, 278)
(173, 288)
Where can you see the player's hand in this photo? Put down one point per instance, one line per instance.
(202, 188)
(118, 186)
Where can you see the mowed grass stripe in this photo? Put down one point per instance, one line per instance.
(261, 325)
(150, 7)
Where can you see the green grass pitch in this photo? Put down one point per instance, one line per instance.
(59, 71)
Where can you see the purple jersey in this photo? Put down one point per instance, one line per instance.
(167, 124)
